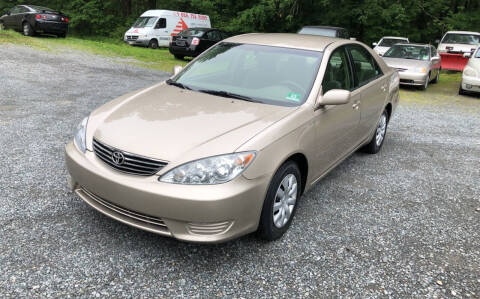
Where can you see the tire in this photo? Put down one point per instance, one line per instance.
(181, 57)
(437, 77)
(284, 178)
(461, 91)
(153, 44)
(376, 142)
(27, 29)
(424, 87)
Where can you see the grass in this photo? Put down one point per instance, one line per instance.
(159, 59)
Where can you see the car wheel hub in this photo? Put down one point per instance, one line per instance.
(381, 130)
(285, 200)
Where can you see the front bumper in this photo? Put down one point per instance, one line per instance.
(138, 42)
(50, 27)
(471, 84)
(209, 213)
(413, 79)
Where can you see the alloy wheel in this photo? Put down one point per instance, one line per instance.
(285, 200)
(381, 130)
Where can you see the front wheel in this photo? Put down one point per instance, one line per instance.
(425, 85)
(281, 202)
(437, 77)
(27, 29)
(376, 142)
(153, 44)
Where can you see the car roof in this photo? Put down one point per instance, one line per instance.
(286, 40)
(395, 37)
(325, 27)
(463, 32)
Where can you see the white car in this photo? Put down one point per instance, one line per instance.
(459, 42)
(471, 74)
(154, 28)
(387, 42)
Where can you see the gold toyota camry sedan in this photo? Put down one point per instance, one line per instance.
(229, 144)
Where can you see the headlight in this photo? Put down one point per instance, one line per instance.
(469, 72)
(80, 135)
(210, 171)
(420, 70)
(394, 82)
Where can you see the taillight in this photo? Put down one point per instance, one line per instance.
(171, 39)
(66, 20)
(195, 41)
(38, 17)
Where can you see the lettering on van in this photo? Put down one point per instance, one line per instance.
(192, 16)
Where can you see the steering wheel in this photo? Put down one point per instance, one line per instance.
(293, 86)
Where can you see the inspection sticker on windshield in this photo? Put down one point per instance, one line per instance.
(291, 96)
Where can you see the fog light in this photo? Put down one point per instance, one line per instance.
(468, 86)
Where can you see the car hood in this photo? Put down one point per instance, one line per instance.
(167, 122)
(400, 63)
(457, 47)
(138, 31)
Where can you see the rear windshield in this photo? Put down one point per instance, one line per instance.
(408, 52)
(319, 31)
(144, 22)
(41, 8)
(388, 42)
(192, 32)
(457, 38)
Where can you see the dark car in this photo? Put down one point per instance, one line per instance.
(325, 31)
(32, 19)
(192, 42)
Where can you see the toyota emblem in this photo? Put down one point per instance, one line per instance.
(118, 158)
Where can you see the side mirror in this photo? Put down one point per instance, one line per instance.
(334, 97)
(467, 55)
(437, 41)
(177, 69)
(374, 44)
(8, 13)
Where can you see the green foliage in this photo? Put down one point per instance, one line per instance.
(367, 20)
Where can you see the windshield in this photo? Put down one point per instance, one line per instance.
(144, 22)
(265, 74)
(408, 52)
(319, 31)
(456, 38)
(388, 42)
(192, 32)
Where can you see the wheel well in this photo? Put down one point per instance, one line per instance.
(302, 163)
(389, 110)
(154, 39)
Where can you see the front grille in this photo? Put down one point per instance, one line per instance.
(407, 81)
(400, 69)
(126, 212)
(128, 162)
(132, 38)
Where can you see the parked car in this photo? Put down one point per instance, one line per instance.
(192, 42)
(471, 74)
(387, 42)
(452, 47)
(32, 19)
(154, 28)
(325, 31)
(417, 64)
(229, 144)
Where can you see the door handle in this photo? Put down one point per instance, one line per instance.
(356, 105)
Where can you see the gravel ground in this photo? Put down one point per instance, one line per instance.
(403, 223)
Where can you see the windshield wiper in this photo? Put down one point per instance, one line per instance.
(177, 84)
(227, 94)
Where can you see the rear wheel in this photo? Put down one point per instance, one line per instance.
(376, 142)
(280, 202)
(179, 57)
(27, 29)
(461, 91)
(153, 44)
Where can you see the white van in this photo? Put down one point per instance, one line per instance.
(155, 27)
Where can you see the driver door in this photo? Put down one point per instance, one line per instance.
(336, 125)
(161, 33)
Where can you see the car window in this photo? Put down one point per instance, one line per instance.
(223, 34)
(459, 38)
(365, 66)
(214, 35)
(15, 10)
(388, 42)
(478, 53)
(433, 52)
(416, 52)
(338, 74)
(318, 31)
(162, 23)
(143, 22)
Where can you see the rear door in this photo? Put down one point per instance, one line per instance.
(372, 85)
(336, 125)
(10, 20)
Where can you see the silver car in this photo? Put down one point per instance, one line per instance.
(417, 64)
